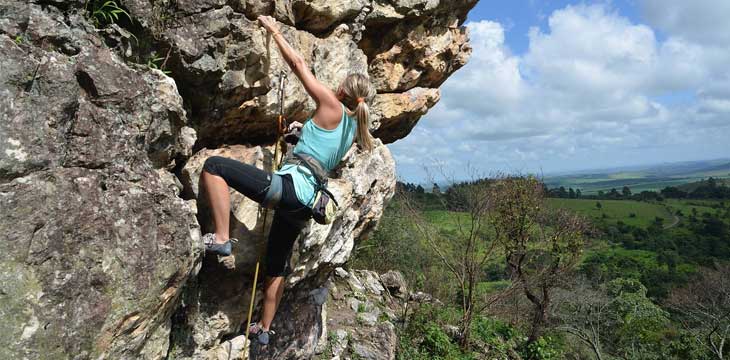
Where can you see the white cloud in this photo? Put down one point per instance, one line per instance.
(490, 65)
(591, 91)
(699, 21)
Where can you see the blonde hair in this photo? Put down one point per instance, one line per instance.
(357, 91)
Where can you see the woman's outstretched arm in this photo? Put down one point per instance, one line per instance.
(328, 107)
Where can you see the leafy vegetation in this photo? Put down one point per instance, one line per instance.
(639, 277)
(616, 210)
(104, 12)
(425, 338)
(157, 63)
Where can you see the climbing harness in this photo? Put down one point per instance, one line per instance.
(325, 206)
(273, 195)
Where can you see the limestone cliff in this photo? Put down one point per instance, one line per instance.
(100, 153)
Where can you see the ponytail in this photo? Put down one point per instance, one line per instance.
(362, 112)
(357, 90)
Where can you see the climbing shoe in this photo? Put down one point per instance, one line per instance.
(220, 249)
(257, 332)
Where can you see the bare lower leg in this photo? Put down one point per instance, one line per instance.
(220, 204)
(273, 290)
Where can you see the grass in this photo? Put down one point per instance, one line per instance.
(686, 206)
(615, 210)
(649, 179)
(105, 12)
(446, 220)
(490, 287)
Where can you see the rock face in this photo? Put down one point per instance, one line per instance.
(220, 297)
(96, 244)
(227, 66)
(356, 322)
(100, 156)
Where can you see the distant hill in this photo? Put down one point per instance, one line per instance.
(640, 178)
(689, 187)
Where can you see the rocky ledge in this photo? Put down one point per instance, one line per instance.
(358, 319)
(100, 153)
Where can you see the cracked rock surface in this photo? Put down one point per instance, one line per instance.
(96, 244)
(100, 155)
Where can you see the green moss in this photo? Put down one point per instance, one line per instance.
(383, 317)
(18, 294)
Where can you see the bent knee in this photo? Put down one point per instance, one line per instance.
(211, 165)
(277, 268)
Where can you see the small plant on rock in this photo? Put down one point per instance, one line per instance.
(157, 63)
(105, 12)
(383, 317)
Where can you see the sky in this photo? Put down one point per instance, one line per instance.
(555, 86)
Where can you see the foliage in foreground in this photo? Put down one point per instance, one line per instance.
(632, 270)
(104, 12)
(425, 338)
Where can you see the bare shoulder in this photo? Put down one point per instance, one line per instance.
(328, 115)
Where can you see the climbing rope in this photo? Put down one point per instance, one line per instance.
(280, 148)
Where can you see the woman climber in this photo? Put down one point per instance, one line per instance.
(340, 119)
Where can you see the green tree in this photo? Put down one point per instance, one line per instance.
(703, 308)
(626, 192)
(541, 245)
(562, 193)
(638, 321)
(583, 312)
(614, 318)
(464, 252)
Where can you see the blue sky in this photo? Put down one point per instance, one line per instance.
(517, 17)
(556, 86)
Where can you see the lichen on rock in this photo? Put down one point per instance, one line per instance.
(100, 156)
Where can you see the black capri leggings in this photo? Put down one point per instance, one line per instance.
(289, 219)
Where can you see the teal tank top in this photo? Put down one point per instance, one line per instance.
(327, 146)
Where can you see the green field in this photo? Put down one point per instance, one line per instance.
(651, 178)
(447, 220)
(686, 206)
(615, 210)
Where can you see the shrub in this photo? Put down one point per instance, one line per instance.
(544, 348)
(437, 342)
(488, 330)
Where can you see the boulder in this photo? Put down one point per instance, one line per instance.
(363, 318)
(396, 114)
(96, 244)
(395, 283)
(317, 16)
(370, 280)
